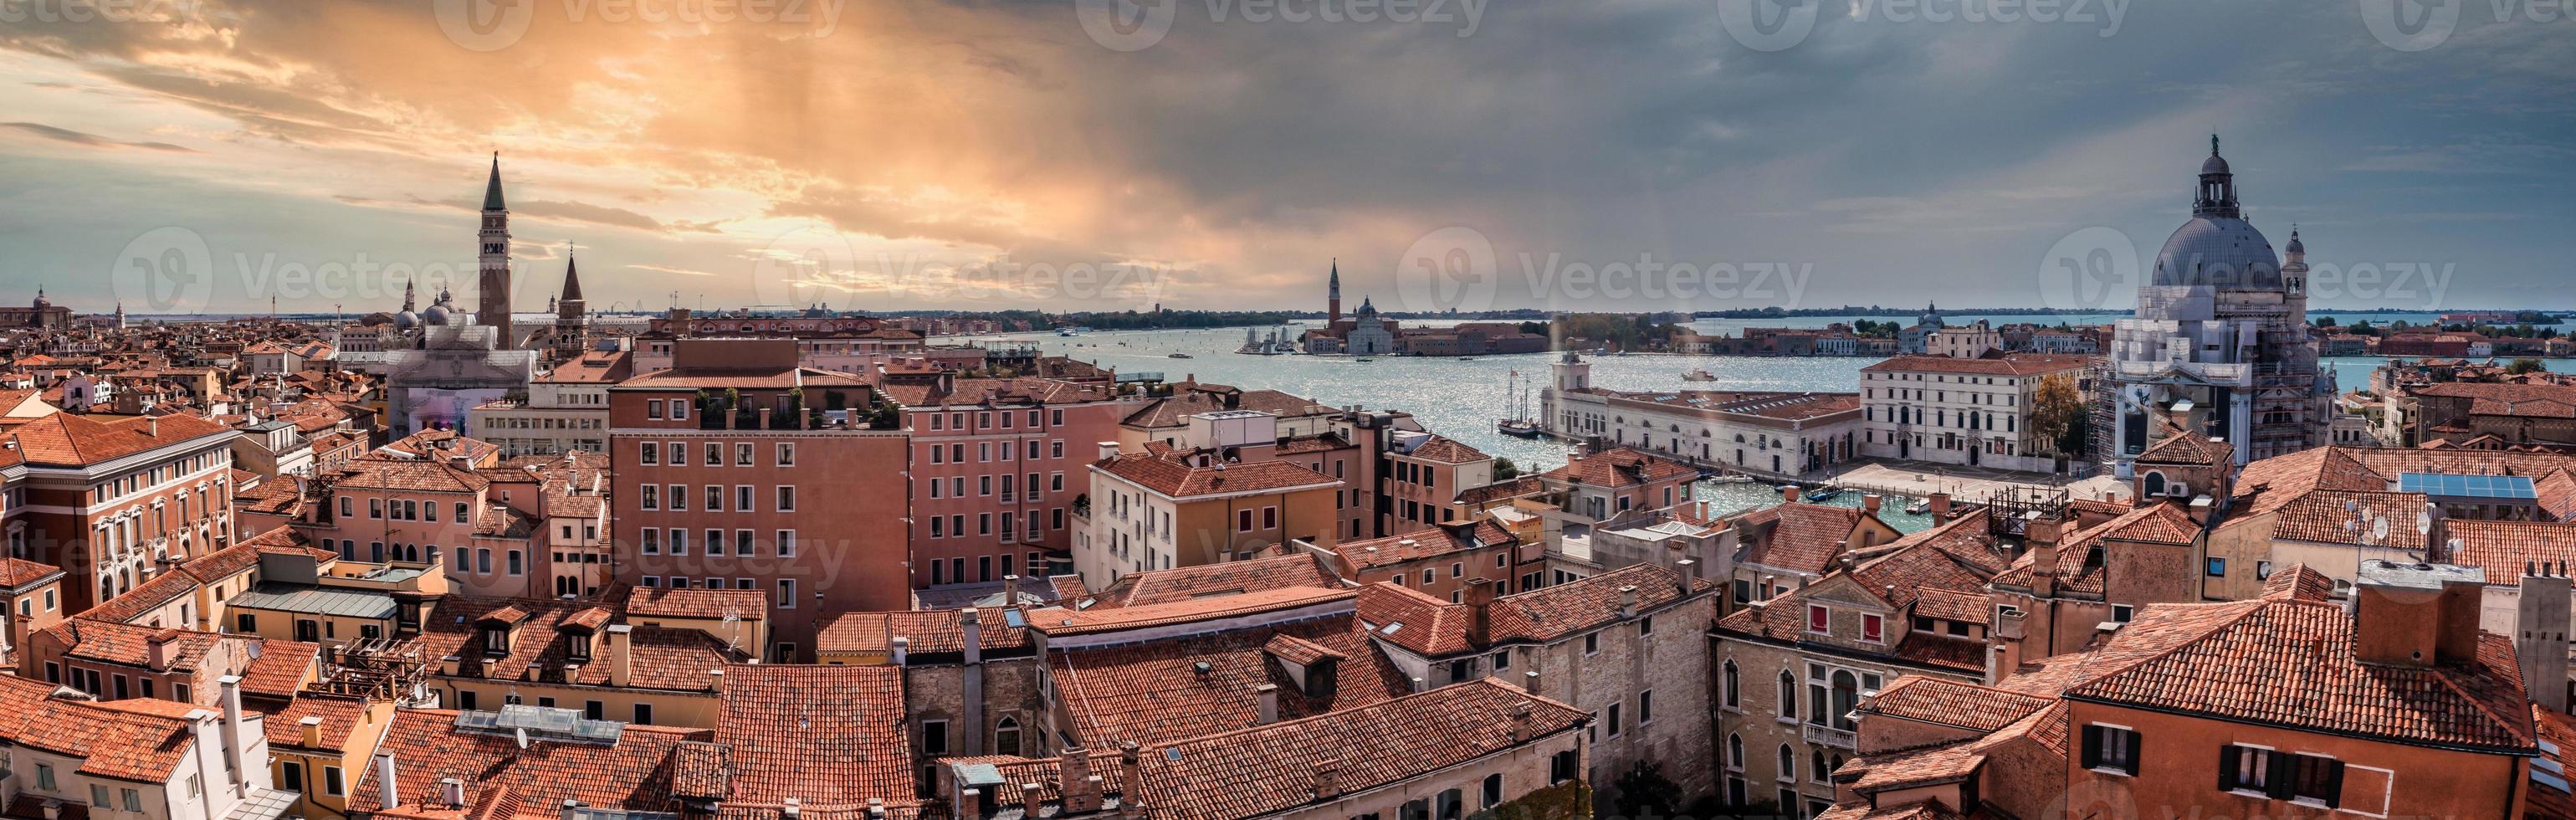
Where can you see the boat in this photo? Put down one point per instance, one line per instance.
(1365, 359)
(1519, 428)
(1822, 494)
(1699, 376)
(1466, 358)
(1921, 506)
(1179, 356)
(1522, 423)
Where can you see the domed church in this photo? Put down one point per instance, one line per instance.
(2220, 346)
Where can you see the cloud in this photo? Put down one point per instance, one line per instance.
(91, 140)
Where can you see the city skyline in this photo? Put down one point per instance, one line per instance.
(880, 157)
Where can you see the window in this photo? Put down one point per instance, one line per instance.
(1566, 765)
(1735, 753)
(1492, 794)
(331, 781)
(643, 714)
(2121, 613)
(2316, 779)
(786, 454)
(1729, 685)
(45, 777)
(649, 453)
(133, 799)
(1450, 803)
(1645, 707)
(1820, 620)
(2252, 769)
(1873, 628)
(786, 593)
(786, 543)
(294, 783)
(594, 710)
(1614, 720)
(1006, 736)
(786, 498)
(2217, 567)
(1788, 695)
(1591, 642)
(2112, 749)
(934, 737)
(1788, 762)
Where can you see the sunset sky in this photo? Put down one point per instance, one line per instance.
(928, 154)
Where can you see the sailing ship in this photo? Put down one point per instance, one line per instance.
(1521, 423)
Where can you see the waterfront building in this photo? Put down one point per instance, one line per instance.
(847, 344)
(996, 467)
(1916, 339)
(1965, 341)
(2220, 346)
(1164, 507)
(1776, 434)
(1972, 412)
(41, 314)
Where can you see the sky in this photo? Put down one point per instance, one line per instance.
(182, 156)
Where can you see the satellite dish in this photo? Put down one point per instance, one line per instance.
(2378, 529)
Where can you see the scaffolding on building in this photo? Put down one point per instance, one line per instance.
(379, 669)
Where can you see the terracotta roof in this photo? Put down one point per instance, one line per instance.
(1162, 586)
(696, 602)
(2290, 663)
(938, 631)
(1059, 621)
(73, 440)
(1619, 467)
(1170, 474)
(1556, 611)
(1951, 703)
(991, 392)
(1435, 542)
(1422, 624)
(340, 716)
(1446, 450)
(134, 740)
(1513, 488)
(829, 736)
(2506, 548)
(2188, 450)
(144, 599)
(2297, 582)
(2322, 515)
(1153, 692)
(2153, 524)
(505, 782)
(1267, 770)
(18, 572)
(409, 476)
(1806, 537)
(669, 659)
(282, 668)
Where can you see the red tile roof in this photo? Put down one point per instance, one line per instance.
(1153, 693)
(1951, 703)
(2506, 548)
(938, 631)
(1060, 622)
(2290, 663)
(1267, 770)
(1437, 542)
(1584, 604)
(662, 658)
(505, 782)
(73, 440)
(1162, 586)
(829, 736)
(1805, 538)
(1174, 474)
(1619, 467)
(134, 740)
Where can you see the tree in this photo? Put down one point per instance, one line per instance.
(1644, 791)
(2325, 321)
(2523, 366)
(2058, 414)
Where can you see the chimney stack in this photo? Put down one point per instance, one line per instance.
(1789, 493)
(231, 685)
(159, 649)
(973, 624)
(1869, 504)
(1031, 799)
(1480, 602)
(1529, 681)
(1327, 778)
(902, 649)
(1108, 450)
(621, 657)
(1127, 765)
(1940, 508)
(312, 726)
(2540, 635)
(1628, 601)
(715, 681)
(1687, 570)
(1269, 693)
(1079, 788)
(2416, 615)
(1521, 721)
(387, 796)
(2040, 534)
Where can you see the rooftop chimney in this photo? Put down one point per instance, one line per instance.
(1328, 778)
(715, 681)
(1079, 788)
(2416, 615)
(1687, 571)
(1480, 602)
(451, 792)
(902, 649)
(1032, 798)
(1127, 765)
(2040, 533)
(1521, 721)
(2540, 635)
(1269, 693)
(973, 624)
(231, 685)
(1789, 494)
(1108, 450)
(1529, 681)
(621, 657)
(1940, 508)
(1869, 503)
(387, 796)
(1628, 601)
(312, 725)
(159, 647)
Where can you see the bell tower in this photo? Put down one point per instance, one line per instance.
(1333, 294)
(493, 288)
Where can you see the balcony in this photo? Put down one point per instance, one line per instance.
(1829, 736)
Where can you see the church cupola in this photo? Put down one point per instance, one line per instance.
(2217, 187)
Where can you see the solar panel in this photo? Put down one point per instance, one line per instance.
(2451, 485)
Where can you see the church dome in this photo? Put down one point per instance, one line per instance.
(406, 320)
(2221, 251)
(2215, 164)
(436, 315)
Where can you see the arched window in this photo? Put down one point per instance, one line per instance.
(1788, 694)
(1727, 680)
(1846, 697)
(1816, 766)
(1788, 764)
(1006, 736)
(2155, 484)
(1734, 752)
